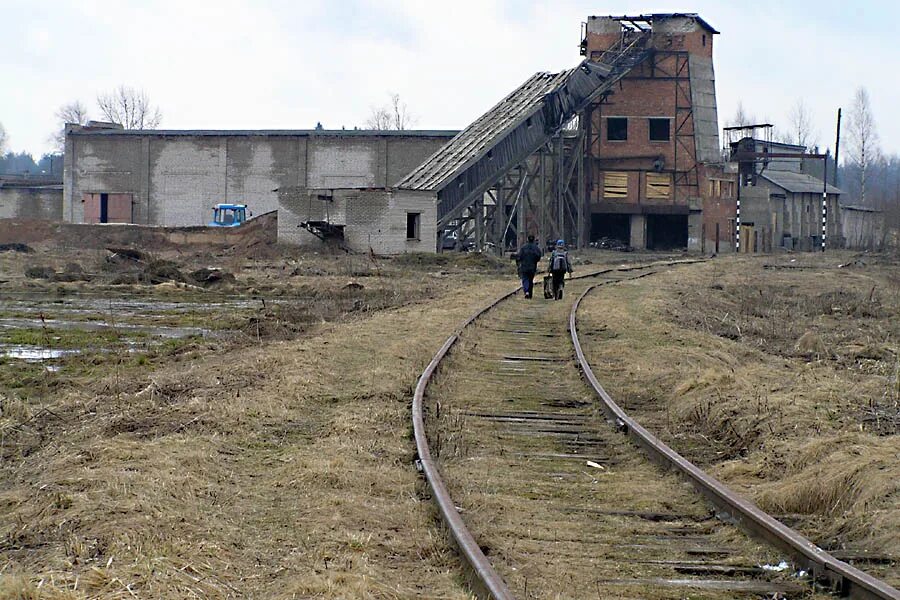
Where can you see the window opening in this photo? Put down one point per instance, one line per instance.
(616, 129)
(659, 130)
(412, 225)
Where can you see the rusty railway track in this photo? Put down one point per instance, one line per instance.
(571, 426)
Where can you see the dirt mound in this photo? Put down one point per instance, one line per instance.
(72, 272)
(469, 260)
(39, 272)
(212, 276)
(161, 271)
(811, 344)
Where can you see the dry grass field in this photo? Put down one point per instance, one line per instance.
(780, 374)
(180, 437)
(269, 457)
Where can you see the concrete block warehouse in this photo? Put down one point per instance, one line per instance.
(623, 146)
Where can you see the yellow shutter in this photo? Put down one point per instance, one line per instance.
(657, 185)
(615, 184)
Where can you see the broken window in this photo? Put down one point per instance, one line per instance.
(412, 225)
(658, 185)
(659, 130)
(615, 184)
(616, 129)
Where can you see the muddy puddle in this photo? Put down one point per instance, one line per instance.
(120, 307)
(160, 331)
(62, 327)
(33, 353)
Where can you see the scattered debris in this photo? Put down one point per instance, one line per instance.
(608, 243)
(782, 566)
(16, 247)
(853, 263)
(353, 285)
(126, 253)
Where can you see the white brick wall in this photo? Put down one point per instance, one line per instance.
(373, 219)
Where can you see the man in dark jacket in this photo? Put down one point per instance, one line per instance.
(528, 257)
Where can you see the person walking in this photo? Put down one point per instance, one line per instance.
(559, 266)
(528, 257)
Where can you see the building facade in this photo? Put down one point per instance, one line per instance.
(653, 156)
(781, 202)
(173, 178)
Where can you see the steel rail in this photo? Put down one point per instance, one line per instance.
(842, 577)
(484, 581)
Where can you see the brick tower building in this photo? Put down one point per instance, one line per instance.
(654, 172)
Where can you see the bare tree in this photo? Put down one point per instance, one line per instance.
(379, 120)
(129, 108)
(741, 117)
(73, 112)
(801, 126)
(395, 115)
(862, 139)
(4, 138)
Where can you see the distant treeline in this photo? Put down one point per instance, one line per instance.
(23, 163)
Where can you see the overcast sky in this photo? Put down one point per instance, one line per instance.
(280, 64)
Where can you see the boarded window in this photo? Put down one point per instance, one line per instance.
(659, 130)
(412, 225)
(658, 185)
(615, 184)
(616, 129)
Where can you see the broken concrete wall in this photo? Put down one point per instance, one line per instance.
(31, 203)
(176, 177)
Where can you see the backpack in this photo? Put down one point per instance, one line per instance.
(559, 261)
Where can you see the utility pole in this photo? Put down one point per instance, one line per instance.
(825, 201)
(837, 149)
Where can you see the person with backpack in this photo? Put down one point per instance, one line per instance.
(528, 257)
(559, 266)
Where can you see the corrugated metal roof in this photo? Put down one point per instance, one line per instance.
(860, 208)
(476, 139)
(269, 132)
(465, 167)
(797, 183)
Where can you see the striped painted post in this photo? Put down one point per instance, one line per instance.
(824, 218)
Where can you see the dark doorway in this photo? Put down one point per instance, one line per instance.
(667, 232)
(611, 226)
(104, 208)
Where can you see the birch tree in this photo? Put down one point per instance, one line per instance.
(862, 139)
(802, 131)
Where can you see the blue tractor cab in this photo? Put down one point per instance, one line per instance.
(228, 215)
